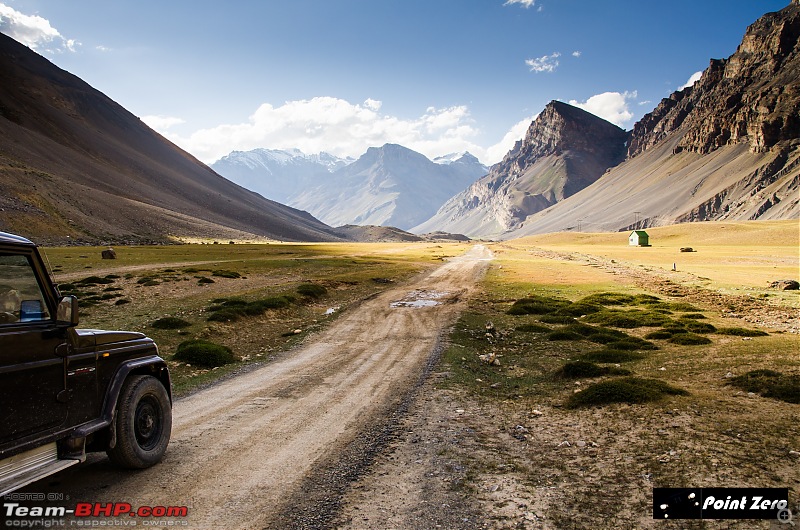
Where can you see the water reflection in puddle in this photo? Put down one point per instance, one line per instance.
(420, 298)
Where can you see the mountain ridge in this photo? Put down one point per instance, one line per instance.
(564, 150)
(726, 148)
(76, 166)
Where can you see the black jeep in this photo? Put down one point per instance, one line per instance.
(65, 391)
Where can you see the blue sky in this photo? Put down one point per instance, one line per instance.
(437, 76)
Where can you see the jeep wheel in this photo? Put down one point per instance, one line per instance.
(143, 423)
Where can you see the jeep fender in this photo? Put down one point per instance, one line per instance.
(151, 365)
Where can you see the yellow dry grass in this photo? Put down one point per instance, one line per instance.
(727, 254)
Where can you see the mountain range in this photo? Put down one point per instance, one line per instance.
(389, 185)
(727, 147)
(76, 166)
(565, 150)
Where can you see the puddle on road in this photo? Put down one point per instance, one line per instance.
(420, 298)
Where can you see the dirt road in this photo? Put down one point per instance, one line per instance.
(271, 447)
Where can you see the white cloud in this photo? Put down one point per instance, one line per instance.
(333, 125)
(576, 53)
(161, 123)
(611, 106)
(33, 31)
(524, 3)
(545, 63)
(496, 152)
(692, 80)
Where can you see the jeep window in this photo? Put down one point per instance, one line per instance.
(21, 297)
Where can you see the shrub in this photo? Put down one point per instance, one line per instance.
(532, 328)
(95, 280)
(580, 369)
(646, 299)
(312, 290)
(689, 339)
(563, 335)
(624, 390)
(537, 305)
(612, 356)
(742, 332)
(170, 323)
(577, 309)
(201, 352)
(226, 274)
(631, 344)
(633, 318)
(231, 310)
(204, 280)
(261, 306)
(660, 334)
(228, 314)
(694, 316)
(770, 383)
(699, 327)
(606, 299)
(581, 329)
(122, 301)
(556, 319)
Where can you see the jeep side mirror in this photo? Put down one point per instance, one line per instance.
(67, 311)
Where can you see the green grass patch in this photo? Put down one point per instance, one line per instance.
(556, 319)
(608, 355)
(580, 308)
(698, 327)
(532, 328)
(689, 339)
(563, 335)
(222, 273)
(234, 309)
(742, 332)
(583, 369)
(631, 318)
(661, 334)
(771, 384)
(171, 323)
(200, 352)
(609, 299)
(537, 305)
(312, 290)
(631, 390)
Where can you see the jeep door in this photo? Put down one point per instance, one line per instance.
(31, 372)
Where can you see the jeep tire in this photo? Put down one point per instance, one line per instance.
(143, 423)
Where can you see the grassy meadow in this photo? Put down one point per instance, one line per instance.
(599, 375)
(598, 384)
(184, 287)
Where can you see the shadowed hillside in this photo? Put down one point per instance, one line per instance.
(74, 165)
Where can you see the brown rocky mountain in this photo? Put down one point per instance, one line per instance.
(727, 148)
(565, 150)
(75, 165)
